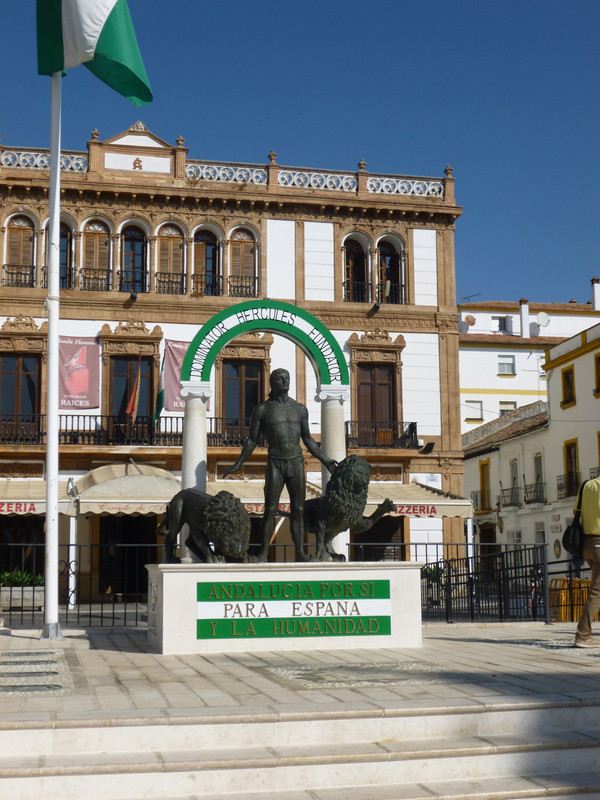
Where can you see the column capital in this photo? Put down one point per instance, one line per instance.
(333, 392)
(196, 389)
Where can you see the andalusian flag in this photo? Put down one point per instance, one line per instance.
(160, 397)
(132, 405)
(98, 34)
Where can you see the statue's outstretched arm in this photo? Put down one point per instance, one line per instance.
(250, 442)
(312, 447)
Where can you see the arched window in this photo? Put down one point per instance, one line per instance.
(206, 279)
(170, 275)
(242, 264)
(19, 268)
(391, 283)
(357, 286)
(95, 255)
(133, 260)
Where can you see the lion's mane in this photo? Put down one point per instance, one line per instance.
(346, 493)
(227, 524)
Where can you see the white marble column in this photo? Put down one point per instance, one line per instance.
(333, 440)
(195, 449)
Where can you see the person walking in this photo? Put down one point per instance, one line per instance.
(588, 501)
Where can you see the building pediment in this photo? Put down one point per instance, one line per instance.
(137, 151)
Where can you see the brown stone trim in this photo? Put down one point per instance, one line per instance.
(374, 347)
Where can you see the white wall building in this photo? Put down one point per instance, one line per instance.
(523, 471)
(502, 350)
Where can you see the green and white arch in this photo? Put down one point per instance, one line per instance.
(283, 319)
(278, 317)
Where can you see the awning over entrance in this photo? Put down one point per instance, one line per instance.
(22, 496)
(126, 489)
(417, 500)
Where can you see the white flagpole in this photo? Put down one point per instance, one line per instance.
(51, 628)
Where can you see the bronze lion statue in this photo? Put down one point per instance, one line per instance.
(220, 519)
(342, 507)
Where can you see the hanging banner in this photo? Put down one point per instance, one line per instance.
(79, 374)
(174, 355)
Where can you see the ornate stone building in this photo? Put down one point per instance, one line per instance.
(153, 244)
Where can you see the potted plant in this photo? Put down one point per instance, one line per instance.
(21, 589)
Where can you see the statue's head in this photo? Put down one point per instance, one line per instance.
(279, 381)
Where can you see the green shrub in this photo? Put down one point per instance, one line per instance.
(20, 578)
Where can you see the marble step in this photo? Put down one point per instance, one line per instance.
(324, 770)
(232, 729)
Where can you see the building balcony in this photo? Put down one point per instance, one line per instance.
(357, 292)
(535, 493)
(242, 286)
(511, 497)
(396, 435)
(21, 275)
(170, 283)
(568, 485)
(95, 280)
(482, 501)
(391, 293)
(66, 278)
(207, 285)
(99, 430)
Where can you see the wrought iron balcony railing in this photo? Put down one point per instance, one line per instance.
(66, 278)
(95, 280)
(93, 429)
(18, 275)
(170, 283)
(567, 485)
(535, 493)
(392, 293)
(242, 287)
(482, 500)
(229, 432)
(207, 285)
(97, 430)
(510, 497)
(398, 435)
(357, 292)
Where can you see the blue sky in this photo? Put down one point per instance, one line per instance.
(507, 92)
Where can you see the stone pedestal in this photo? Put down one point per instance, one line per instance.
(221, 608)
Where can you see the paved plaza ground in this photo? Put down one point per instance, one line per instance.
(112, 674)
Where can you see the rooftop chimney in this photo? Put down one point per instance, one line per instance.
(596, 294)
(524, 317)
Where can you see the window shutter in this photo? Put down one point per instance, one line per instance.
(164, 261)
(88, 250)
(199, 258)
(13, 246)
(248, 260)
(235, 268)
(102, 250)
(177, 254)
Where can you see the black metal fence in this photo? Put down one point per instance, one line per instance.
(473, 583)
(99, 584)
(106, 584)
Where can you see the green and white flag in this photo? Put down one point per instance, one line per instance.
(160, 397)
(98, 34)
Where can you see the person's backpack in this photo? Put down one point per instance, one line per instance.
(572, 539)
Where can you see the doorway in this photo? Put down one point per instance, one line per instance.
(127, 544)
